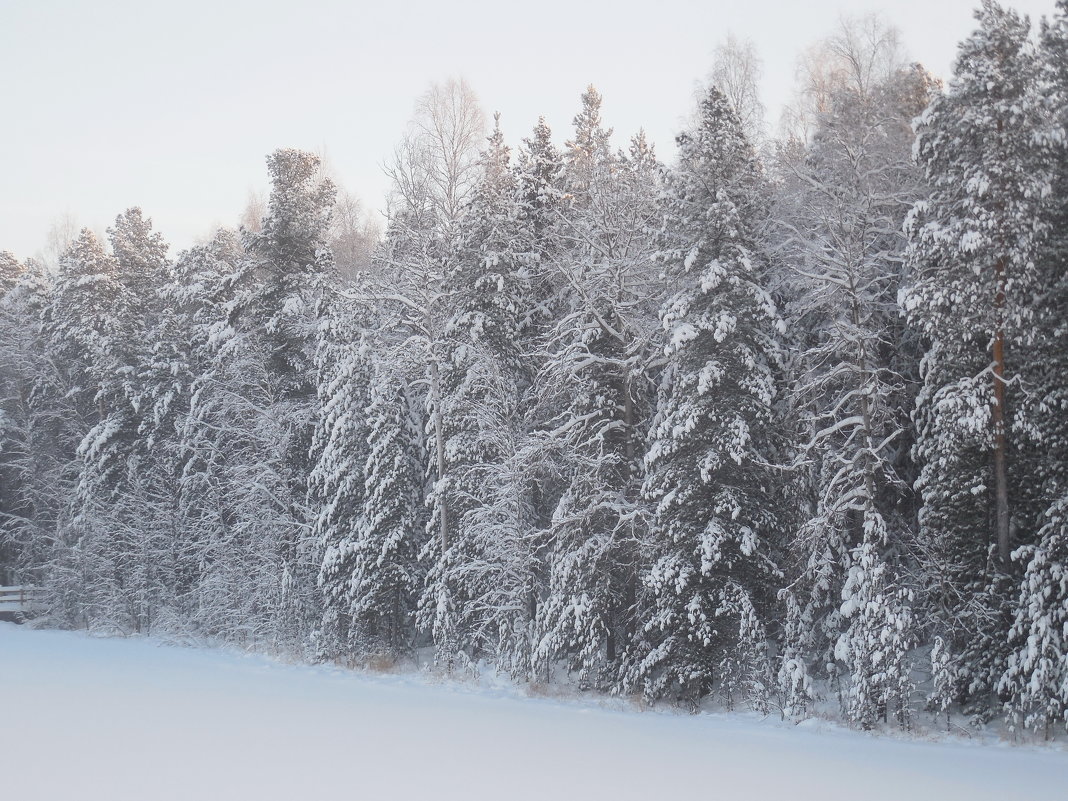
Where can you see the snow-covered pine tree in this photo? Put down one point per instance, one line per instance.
(123, 477)
(10, 271)
(292, 269)
(973, 248)
(243, 496)
(118, 480)
(109, 452)
(86, 323)
(1036, 679)
(594, 397)
(714, 531)
(142, 256)
(246, 437)
(85, 318)
(289, 265)
(175, 354)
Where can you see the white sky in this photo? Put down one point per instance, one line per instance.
(173, 106)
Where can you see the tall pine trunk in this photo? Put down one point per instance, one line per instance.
(1001, 486)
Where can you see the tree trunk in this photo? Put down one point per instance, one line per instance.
(1001, 485)
(439, 447)
(630, 592)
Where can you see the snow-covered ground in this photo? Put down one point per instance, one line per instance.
(86, 718)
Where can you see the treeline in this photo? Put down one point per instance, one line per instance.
(767, 424)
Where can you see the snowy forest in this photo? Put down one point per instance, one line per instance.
(780, 423)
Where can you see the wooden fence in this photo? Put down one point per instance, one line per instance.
(21, 601)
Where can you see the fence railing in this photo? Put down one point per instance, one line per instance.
(24, 599)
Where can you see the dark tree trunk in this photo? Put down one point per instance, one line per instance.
(1001, 486)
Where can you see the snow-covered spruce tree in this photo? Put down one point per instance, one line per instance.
(539, 179)
(1036, 679)
(840, 246)
(973, 250)
(411, 298)
(384, 583)
(534, 480)
(337, 481)
(434, 173)
(714, 533)
(483, 375)
(877, 644)
(594, 400)
(1036, 676)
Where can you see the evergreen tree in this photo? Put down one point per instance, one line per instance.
(185, 419)
(387, 538)
(715, 570)
(1035, 682)
(529, 480)
(287, 266)
(10, 271)
(594, 397)
(540, 197)
(87, 325)
(141, 254)
(1036, 675)
(246, 437)
(973, 255)
(337, 483)
(412, 298)
(482, 377)
(112, 449)
(86, 317)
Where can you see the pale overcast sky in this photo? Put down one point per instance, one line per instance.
(173, 106)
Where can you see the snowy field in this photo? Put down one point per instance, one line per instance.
(85, 718)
